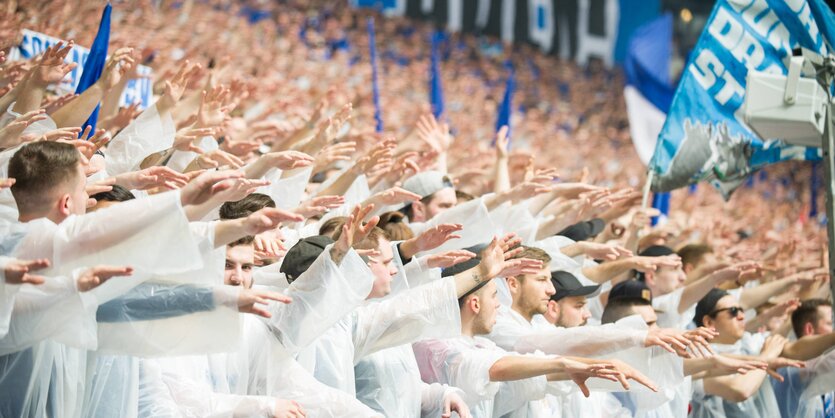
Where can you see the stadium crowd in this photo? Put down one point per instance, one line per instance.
(248, 245)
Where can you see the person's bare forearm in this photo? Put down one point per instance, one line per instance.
(604, 272)
(753, 297)
(694, 292)
(736, 388)
(229, 231)
(78, 110)
(511, 368)
(29, 97)
(340, 185)
(809, 347)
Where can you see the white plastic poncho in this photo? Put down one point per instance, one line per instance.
(149, 133)
(513, 332)
(465, 363)
(473, 215)
(424, 312)
(388, 381)
(762, 405)
(801, 393)
(8, 292)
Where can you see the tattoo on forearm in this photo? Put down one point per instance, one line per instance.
(476, 278)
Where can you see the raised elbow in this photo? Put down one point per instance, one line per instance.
(737, 395)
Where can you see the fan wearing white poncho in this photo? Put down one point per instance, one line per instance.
(750, 395)
(389, 380)
(404, 318)
(808, 392)
(50, 189)
(497, 382)
(673, 373)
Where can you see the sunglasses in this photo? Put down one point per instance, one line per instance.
(733, 310)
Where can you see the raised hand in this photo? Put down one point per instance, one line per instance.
(580, 372)
(430, 239)
(6, 183)
(497, 260)
(116, 67)
(285, 408)
(96, 276)
(175, 87)
(672, 340)
(218, 158)
(267, 219)
(238, 188)
(454, 403)
(206, 185)
(778, 363)
(502, 143)
(19, 272)
(51, 68)
(100, 186)
(607, 252)
(288, 160)
(740, 366)
(394, 196)
(318, 206)
(213, 110)
(250, 301)
(152, 177)
(353, 231)
(10, 134)
(184, 139)
(645, 264)
(627, 372)
(433, 134)
(448, 258)
(51, 105)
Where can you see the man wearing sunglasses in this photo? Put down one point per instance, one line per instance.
(750, 395)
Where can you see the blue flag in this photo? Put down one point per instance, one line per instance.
(506, 108)
(436, 92)
(375, 89)
(661, 201)
(703, 138)
(94, 65)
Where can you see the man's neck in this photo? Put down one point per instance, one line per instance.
(518, 309)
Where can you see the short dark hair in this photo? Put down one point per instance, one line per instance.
(332, 225)
(621, 308)
(371, 242)
(246, 206)
(463, 196)
(532, 253)
(692, 253)
(395, 226)
(806, 313)
(652, 251)
(38, 168)
(247, 240)
(409, 211)
(117, 194)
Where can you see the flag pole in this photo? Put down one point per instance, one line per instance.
(647, 185)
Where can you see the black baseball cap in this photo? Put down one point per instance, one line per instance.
(584, 230)
(631, 289)
(302, 255)
(708, 304)
(652, 251)
(656, 251)
(568, 285)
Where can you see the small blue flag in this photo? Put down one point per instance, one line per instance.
(94, 65)
(506, 108)
(661, 201)
(375, 89)
(436, 92)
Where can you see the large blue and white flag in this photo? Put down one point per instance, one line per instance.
(649, 90)
(704, 137)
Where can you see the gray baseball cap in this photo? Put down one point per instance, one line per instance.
(427, 183)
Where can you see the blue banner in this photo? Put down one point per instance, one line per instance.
(704, 137)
